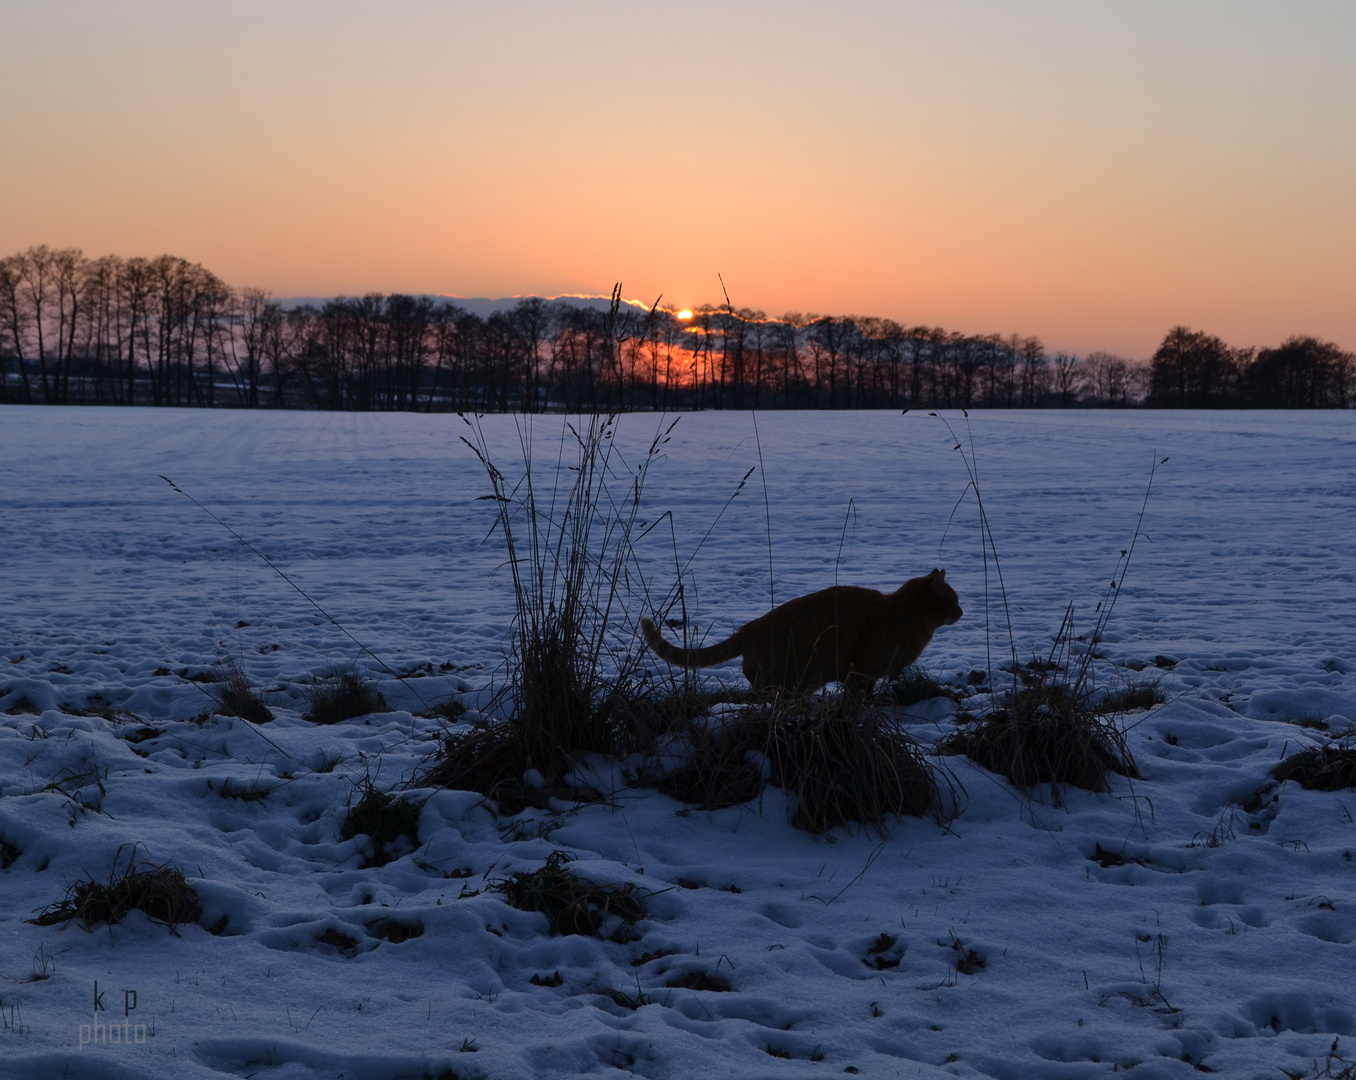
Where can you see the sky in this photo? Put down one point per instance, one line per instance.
(1091, 173)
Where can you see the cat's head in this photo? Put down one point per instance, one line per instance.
(942, 598)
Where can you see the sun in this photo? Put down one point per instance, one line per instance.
(685, 314)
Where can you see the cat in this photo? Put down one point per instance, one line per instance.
(845, 634)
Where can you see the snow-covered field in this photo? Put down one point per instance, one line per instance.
(1225, 943)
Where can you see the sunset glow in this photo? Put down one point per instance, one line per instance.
(1091, 174)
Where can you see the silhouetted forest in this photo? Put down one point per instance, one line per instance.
(164, 331)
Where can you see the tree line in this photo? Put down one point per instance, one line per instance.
(164, 331)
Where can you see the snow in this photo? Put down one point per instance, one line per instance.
(1226, 940)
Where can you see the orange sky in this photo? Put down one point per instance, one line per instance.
(1090, 173)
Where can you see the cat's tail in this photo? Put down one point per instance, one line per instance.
(690, 658)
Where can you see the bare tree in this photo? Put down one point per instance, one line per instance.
(1068, 378)
(13, 324)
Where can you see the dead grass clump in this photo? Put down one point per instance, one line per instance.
(337, 939)
(967, 961)
(562, 707)
(256, 792)
(882, 955)
(383, 820)
(489, 760)
(1312, 721)
(159, 891)
(645, 715)
(626, 1000)
(571, 904)
(394, 931)
(913, 685)
(496, 762)
(1134, 695)
(843, 761)
(1046, 734)
(1321, 768)
(839, 757)
(342, 697)
(451, 710)
(95, 705)
(720, 772)
(235, 694)
(701, 980)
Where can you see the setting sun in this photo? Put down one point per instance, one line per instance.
(685, 314)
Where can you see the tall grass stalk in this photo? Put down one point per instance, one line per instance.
(1108, 604)
(569, 542)
(987, 546)
(1046, 731)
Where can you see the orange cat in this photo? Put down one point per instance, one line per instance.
(845, 634)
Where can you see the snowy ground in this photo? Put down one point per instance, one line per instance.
(1227, 942)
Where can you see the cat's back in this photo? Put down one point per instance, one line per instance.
(843, 606)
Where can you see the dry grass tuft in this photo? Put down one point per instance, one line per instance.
(489, 760)
(571, 685)
(394, 931)
(496, 761)
(256, 792)
(159, 891)
(913, 685)
(564, 707)
(1046, 734)
(646, 714)
(342, 697)
(235, 694)
(337, 939)
(451, 709)
(844, 761)
(571, 904)
(383, 820)
(1136, 694)
(967, 961)
(1312, 721)
(1333, 1066)
(722, 770)
(1325, 768)
(630, 1001)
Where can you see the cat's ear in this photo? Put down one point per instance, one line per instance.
(939, 582)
